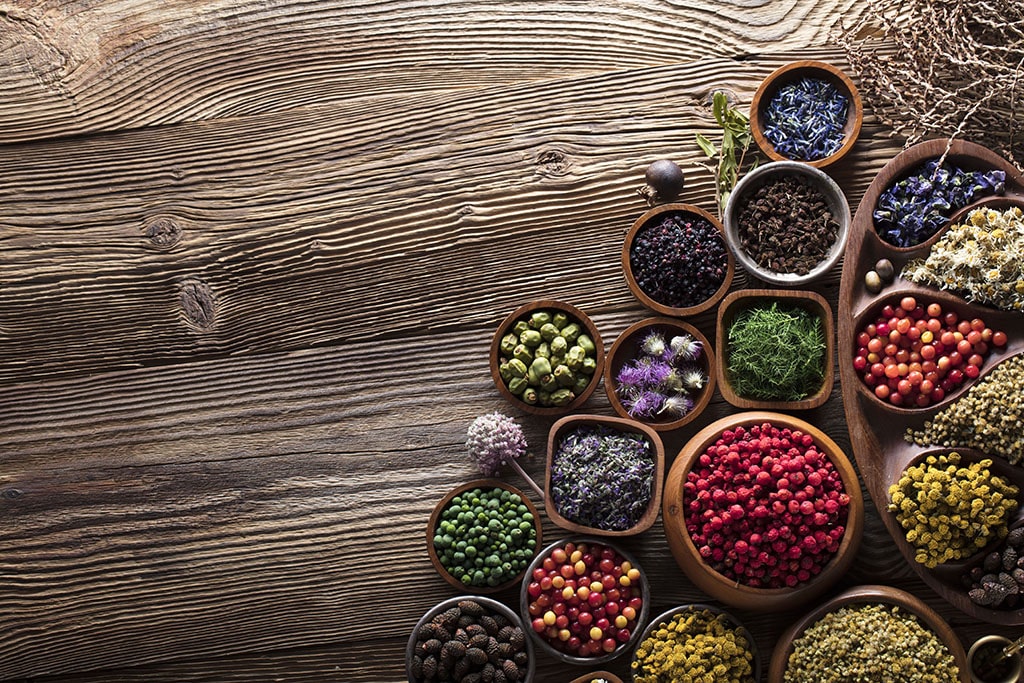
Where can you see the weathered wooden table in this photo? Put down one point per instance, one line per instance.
(252, 256)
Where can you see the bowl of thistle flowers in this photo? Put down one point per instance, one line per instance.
(660, 372)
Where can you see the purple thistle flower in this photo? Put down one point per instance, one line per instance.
(645, 404)
(631, 375)
(657, 372)
(654, 344)
(677, 405)
(686, 348)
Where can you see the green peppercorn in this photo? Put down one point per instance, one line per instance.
(559, 345)
(531, 338)
(562, 397)
(571, 332)
(586, 343)
(517, 385)
(589, 366)
(539, 318)
(548, 331)
(520, 327)
(530, 396)
(522, 353)
(508, 343)
(517, 368)
(543, 350)
(559, 319)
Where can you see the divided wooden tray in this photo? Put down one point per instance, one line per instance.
(876, 429)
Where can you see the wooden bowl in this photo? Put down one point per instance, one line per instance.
(597, 676)
(770, 172)
(877, 432)
(571, 422)
(524, 311)
(543, 645)
(666, 617)
(793, 72)
(494, 607)
(868, 595)
(741, 299)
(658, 213)
(435, 517)
(715, 584)
(626, 348)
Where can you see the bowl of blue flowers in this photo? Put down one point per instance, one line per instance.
(604, 475)
(806, 111)
(660, 371)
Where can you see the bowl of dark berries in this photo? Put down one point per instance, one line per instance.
(660, 371)
(717, 646)
(763, 511)
(806, 111)
(604, 475)
(482, 535)
(787, 222)
(454, 640)
(584, 601)
(676, 260)
(546, 357)
(776, 349)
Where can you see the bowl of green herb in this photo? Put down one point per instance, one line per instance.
(775, 349)
(604, 475)
(482, 535)
(806, 111)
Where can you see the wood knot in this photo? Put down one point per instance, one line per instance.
(198, 304)
(552, 163)
(163, 232)
(11, 494)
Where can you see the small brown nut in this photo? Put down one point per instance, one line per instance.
(885, 270)
(873, 281)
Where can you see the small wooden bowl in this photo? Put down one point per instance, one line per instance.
(597, 676)
(666, 617)
(625, 348)
(795, 71)
(571, 422)
(774, 171)
(490, 604)
(868, 595)
(657, 213)
(740, 299)
(641, 619)
(524, 311)
(731, 592)
(435, 517)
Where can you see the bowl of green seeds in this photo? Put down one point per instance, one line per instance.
(775, 349)
(482, 535)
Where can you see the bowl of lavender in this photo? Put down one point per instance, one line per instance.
(604, 475)
(676, 260)
(660, 372)
(806, 111)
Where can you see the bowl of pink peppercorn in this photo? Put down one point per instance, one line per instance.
(763, 511)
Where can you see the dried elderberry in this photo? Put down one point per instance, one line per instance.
(679, 260)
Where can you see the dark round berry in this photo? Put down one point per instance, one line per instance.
(665, 178)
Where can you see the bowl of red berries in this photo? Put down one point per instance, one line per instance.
(584, 601)
(915, 352)
(763, 511)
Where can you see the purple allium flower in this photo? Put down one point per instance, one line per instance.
(495, 440)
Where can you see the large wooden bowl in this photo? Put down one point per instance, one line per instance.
(435, 516)
(524, 311)
(868, 595)
(813, 302)
(715, 584)
(676, 311)
(570, 422)
(877, 429)
(795, 71)
(626, 347)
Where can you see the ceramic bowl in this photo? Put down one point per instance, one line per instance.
(666, 617)
(523, 313)
(627, 347)
(491, 607)
(658, 213)
(741, 299)
(773, 172)
(868, 595)
(700, 571)
(528, 616)
(793, 73)
(566, 425)
(435, 516)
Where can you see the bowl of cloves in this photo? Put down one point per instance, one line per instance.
(787, 223)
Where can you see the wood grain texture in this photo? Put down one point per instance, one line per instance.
(96, 66)
(251, 258)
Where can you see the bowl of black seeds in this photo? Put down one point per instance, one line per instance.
(787, 223)
(676, 260)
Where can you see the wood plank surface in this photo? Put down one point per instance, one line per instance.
(251, 257)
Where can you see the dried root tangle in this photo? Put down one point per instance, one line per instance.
(948, 68)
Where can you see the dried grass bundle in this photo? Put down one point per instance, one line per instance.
(950, 68)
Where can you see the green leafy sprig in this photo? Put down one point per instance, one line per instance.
(736, 139)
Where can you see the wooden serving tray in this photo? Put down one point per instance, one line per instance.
(877, 429)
